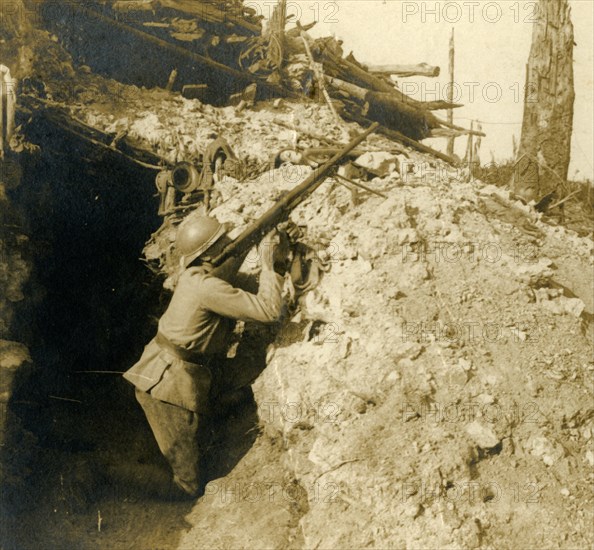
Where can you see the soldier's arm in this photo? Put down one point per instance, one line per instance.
(228, 301)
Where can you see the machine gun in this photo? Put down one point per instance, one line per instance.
(186, 178)
(281, 210)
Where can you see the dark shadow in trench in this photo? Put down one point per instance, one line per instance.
(91, 459)
(236, 430)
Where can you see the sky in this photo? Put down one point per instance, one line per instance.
(493, 41)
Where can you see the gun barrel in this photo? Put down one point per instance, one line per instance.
(280, 211)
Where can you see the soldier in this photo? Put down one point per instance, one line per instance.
(174, 375)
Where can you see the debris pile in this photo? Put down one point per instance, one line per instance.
(219, 52)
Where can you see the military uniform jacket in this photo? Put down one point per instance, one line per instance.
(199, 320)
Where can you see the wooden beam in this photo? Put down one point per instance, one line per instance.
(344, 69)
(361, 94)
(445, 123)
(397, 136)
(349, 71)
(420, 69)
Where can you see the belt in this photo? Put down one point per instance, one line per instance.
(180, 352)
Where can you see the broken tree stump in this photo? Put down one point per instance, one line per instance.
(545, 145)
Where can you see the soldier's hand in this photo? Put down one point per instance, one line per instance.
(274, 249)
(292, 230)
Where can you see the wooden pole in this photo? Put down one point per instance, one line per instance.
(450, 149)
(361, 185)
(469, 151)
(319, 77)
(2, 103)
(477, 143)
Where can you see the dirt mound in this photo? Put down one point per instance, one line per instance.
(434, 390)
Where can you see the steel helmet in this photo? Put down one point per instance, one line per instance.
(196, 236)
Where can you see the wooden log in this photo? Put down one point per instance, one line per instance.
(351, 90)
(478, 142)
(194, 91)
(8, 91)
(355, 74)
(348, 71)
(2, 73)
(468, 157)
(450, 132)
(410, 119)
(439, 105)
(171, 81)
(420, 69)
(401, 138)
(360, 93)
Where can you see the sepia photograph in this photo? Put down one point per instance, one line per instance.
(296, 274)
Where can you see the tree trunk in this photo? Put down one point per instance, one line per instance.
(544, 153)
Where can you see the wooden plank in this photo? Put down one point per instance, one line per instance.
(420, 69)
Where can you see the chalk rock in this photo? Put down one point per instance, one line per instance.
(562, 305)
(379, 163)
(542, 448)
(534, 273)
(484, 437)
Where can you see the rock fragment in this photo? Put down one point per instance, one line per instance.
(482, 436)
